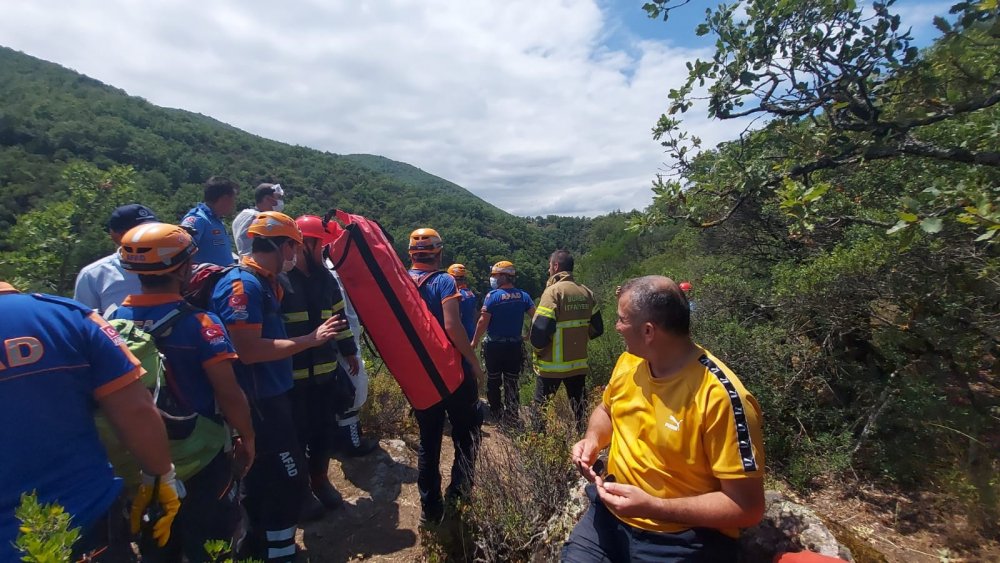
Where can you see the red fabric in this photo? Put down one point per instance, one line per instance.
(804, 557)
(401, 357)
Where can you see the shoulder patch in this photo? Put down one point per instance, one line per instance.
(112, 335)
(213, 334)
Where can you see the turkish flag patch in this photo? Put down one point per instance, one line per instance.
(112, 334)
(212, 332)
(239, 300)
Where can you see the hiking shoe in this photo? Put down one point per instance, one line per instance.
(312, 509)
(431, 515)
(327, 494)
(353, 444)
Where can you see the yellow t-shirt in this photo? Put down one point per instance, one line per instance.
(678, 437)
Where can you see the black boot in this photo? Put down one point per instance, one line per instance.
(324, 490)
(353, 444)
(312, 509)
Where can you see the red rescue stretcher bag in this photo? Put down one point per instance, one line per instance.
(409, 339)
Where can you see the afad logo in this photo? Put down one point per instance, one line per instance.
(213, 334)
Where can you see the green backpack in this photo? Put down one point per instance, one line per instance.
(194, 439)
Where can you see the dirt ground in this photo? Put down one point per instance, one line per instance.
(381, 514)
(380, 519)
(899, 528)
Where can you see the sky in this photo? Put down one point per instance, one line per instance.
(537, 106)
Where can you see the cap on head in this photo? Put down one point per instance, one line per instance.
(270, 224)
(457, 270)
(685, 286)
(503, 267)
(155, 248)
(127, 216)
(425, 241)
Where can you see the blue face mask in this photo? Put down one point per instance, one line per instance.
(494, 283)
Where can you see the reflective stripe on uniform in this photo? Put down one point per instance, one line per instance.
(318, 369)
(545, 312)
(281, 535)
(279, 552)
(304, 315)
(561, 367)
(344, 335)
(296, 317)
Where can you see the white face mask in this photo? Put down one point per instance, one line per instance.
(288, 265)
(279, 205)
(494, 283)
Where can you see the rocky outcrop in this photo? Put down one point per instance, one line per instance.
(788, 526)
(561, 524)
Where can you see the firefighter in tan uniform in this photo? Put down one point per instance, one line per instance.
(566, 318)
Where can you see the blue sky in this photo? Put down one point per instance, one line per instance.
(537, 106)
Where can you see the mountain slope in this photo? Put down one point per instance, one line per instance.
(51, 116)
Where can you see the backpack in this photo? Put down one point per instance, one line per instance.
(423, 278)
(201, 285)
(194, 440)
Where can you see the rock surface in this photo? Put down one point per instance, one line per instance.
(788, 526)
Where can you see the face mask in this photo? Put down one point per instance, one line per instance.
(280, 205)
(288, 265)
(494, 283)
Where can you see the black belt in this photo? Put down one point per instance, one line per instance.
(506, 340)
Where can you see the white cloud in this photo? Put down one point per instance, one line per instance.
(520, 101)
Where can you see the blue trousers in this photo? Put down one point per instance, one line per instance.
(601, 537)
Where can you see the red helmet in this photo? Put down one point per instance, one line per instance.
(685, 286)
(312, 227)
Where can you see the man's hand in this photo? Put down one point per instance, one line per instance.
(328, 330)
(166, 504)
(352, 365)
(244, 452)
(477, 372)
(584, 455)
(624, 500)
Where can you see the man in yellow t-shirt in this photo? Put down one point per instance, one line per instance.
(686, 462)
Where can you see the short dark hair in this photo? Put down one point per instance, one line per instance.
(262, 191)
(267, 244)
(658, 300)
(154, 281)
(563, 259)
(219, 186)
(425, 257)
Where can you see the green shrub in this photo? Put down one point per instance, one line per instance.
(522, 480)
(45, 535)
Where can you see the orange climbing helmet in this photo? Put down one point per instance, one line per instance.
(685, 286)
(155, 248)
(269, 224)
(425, 240)
(503, 267)
(457, 270)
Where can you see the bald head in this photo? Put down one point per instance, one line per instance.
(658, 300)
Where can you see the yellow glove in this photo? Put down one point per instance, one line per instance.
(157, 501)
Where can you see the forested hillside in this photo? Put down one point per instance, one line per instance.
(61, 131)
